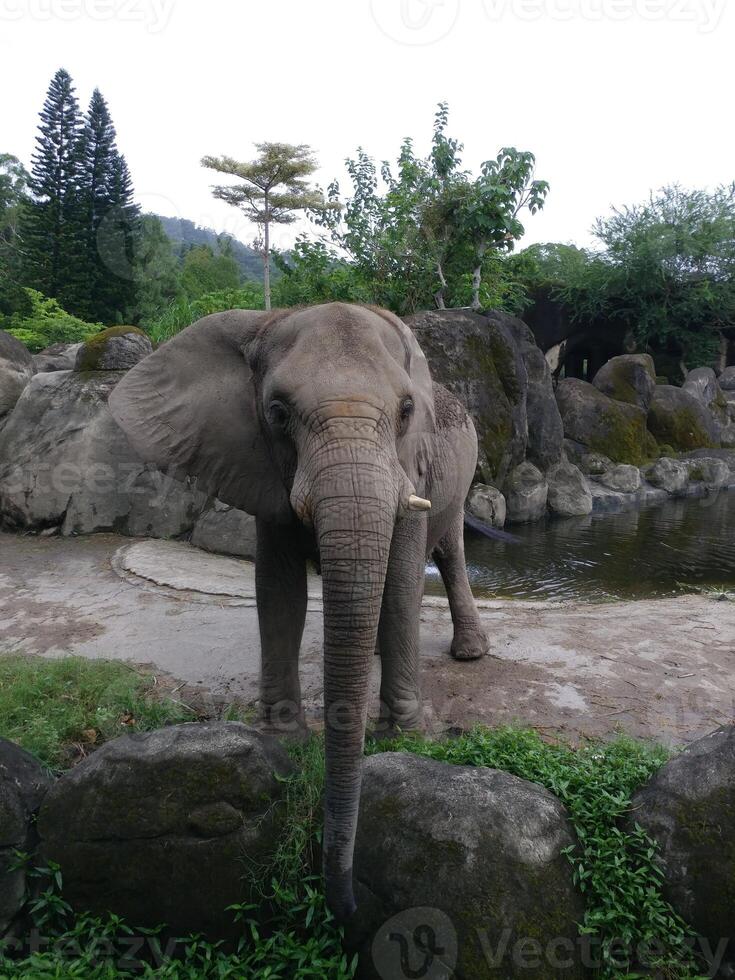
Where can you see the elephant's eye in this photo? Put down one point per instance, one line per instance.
(406, 411)
(278, 413)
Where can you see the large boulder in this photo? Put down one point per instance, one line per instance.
(545, 429)
(57, 357)
(702, 384)
(569, 491)
(710, 470)
(225, 531)
(163, 827)
(623, 478)
(679, 419)
(470, 858)
(478, 360)
(688, 808)
(727, 436)
(727, 379)
(670, 475)
(114, 349)
(602, 424)
(64, 462)
(628, 378)
(23, 784)
(16, 370)
(487, 504)
(526, 494)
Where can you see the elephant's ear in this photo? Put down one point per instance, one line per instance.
(416, 449)
(190, 408)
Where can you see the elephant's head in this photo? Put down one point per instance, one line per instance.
(322, 415)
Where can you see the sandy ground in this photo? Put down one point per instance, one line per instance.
(662, 668)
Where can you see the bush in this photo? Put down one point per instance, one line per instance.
(46, 323)
(184, 311)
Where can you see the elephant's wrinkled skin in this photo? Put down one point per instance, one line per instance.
(323, 422)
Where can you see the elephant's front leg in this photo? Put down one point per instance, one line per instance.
(398, 633)
(280, 588)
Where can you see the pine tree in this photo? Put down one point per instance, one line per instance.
(53, 225)
(117, 235)
(110, 218)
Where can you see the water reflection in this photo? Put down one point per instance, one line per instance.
(635, 554)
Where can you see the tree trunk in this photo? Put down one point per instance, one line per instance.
(439, 294)
(477, 277)
(267, 257)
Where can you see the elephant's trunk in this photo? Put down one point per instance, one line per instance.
(355, 501)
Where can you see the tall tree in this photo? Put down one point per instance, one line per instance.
(53, 229)
(117, 239)
(272, 189)
(432, 229)
(111, 217)
(13, 185)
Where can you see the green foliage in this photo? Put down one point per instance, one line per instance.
(428, 233)
(183, 311)
(46, 323)
(156, 272)
(51, 706)
(617, 871)
(666, 270)
(313, 273)
(13, 185)
(204, 272)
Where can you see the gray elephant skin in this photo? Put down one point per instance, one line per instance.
(324, 424)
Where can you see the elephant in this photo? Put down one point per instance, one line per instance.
(323, 422)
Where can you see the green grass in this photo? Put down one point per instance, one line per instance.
(60, 709)
(50, 707)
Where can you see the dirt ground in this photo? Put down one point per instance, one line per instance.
(661, 669)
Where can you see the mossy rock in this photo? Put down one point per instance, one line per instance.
(688, 808)
(681, 421)
(114, 349)
(478, 359)
(471, 854)
(629, 378)
(602, 424)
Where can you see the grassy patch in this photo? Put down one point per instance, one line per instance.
(61, 709)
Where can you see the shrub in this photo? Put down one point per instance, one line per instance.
(47, 323)
(184, 311)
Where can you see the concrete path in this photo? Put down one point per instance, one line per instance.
(662, 668)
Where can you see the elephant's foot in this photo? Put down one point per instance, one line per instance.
(402, 718)
(469, 644)
(283, 723)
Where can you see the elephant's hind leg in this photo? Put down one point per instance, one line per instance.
(280, 588)
(470, 640)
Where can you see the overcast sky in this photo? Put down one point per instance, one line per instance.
(615, 97)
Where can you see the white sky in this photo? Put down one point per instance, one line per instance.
(614, 97)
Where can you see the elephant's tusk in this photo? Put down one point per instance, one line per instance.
(418, 503)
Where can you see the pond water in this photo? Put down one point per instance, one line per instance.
(682, 545)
